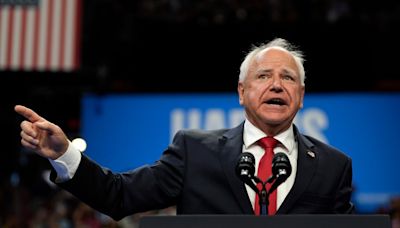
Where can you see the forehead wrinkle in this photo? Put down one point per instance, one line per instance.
(284, 70)
(264, 70)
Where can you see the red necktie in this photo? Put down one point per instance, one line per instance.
(265, 171)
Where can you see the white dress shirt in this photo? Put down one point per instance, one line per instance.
(67, 164)
(287, 144)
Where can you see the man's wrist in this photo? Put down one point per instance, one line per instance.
(67, 164)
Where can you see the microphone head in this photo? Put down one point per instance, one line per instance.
(281, 167)
(245, 167)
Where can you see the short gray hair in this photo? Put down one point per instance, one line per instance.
(278, 43)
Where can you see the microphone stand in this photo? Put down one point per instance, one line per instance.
(263, 195)
(264, 201)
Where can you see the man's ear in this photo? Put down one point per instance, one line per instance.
(302, 96)
(240, 89)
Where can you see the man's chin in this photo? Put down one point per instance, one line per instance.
(275, 118)
(276, 121)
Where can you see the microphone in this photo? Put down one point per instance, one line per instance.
(281, 170)
(245, 169)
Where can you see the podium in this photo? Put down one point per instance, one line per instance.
(277, 221)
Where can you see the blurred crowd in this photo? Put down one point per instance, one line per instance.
(20, 207)
(393, 209)
(277, 11)
(29, 199)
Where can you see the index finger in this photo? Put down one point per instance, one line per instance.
(27, 113)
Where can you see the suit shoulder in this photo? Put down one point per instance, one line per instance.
(194, 138)
(198, 133)
(327, 149)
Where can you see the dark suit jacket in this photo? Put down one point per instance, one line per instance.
(197, 174)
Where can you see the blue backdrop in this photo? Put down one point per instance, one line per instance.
(127, 131)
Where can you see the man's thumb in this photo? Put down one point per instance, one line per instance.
(44, 125)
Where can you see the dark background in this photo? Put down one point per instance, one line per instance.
(173, 46)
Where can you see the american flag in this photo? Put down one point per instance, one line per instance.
(40, 35)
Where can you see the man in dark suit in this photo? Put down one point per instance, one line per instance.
(197, 171)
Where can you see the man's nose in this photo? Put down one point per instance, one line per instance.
(276, 83)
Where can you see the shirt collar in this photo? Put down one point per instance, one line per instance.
(251, 134)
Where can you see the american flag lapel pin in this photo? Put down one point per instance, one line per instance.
(311, 153)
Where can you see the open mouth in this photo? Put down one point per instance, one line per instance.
(276, 101)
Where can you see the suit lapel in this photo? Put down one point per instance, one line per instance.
(231, 147)
(306, 166)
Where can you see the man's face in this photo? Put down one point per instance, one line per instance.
(272, 92)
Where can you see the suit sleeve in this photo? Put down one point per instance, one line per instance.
(146, 188)
(343, 203)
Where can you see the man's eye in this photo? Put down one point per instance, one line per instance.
(288, 77)
(262, 76)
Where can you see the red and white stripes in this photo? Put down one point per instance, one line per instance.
(43, 37)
